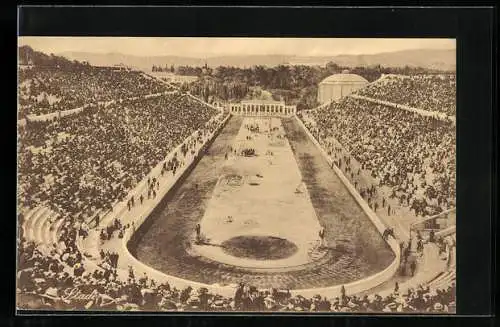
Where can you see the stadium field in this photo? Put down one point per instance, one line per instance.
(310, 192)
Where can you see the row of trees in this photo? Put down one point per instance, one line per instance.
(295, 84)
(184, 70)
(170, 69)
(208, 88)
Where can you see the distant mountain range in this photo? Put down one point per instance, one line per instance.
(426, 58)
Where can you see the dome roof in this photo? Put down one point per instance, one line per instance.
(344, 78)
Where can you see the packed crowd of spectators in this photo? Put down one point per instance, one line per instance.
(80, 165)
(426, 92)
(45, 281)
(43, 90)
(51, 281)
(411, 154)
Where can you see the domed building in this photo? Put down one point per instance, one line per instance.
(337, 86)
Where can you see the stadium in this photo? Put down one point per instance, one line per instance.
(138, 194)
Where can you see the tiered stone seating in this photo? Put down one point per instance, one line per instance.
(42, 222)
(49, 231)
(45, 223)
(43, 231)
(54, 231)
(27, 220)
(444, 280)
(70, 88)
(33, 223)
(41, 226)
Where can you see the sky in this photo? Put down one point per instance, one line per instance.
(211, 46)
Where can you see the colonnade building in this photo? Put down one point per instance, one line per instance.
(262, 108)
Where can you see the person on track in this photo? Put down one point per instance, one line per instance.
(321, 234)
(198, 233)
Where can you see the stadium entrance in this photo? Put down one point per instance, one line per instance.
(262, 108)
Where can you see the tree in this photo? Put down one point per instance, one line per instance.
(332, 68)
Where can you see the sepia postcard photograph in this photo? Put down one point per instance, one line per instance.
(224, 174)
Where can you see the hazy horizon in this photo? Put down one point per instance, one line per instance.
(207, 47)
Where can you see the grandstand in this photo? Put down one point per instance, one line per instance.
(44, 90)
(434, 93)
(110, 196)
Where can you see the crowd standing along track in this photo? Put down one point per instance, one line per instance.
(164, 242)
